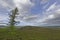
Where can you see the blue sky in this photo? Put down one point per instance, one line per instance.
(32, 12)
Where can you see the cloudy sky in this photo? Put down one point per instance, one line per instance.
(32, 12)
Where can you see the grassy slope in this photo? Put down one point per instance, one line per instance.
(30, 33)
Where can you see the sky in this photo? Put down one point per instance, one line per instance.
(32, 12)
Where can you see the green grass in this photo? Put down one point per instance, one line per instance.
(29, 33)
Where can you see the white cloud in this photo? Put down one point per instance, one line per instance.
(21, 3)
(52, 7)
(45, 6)
(24, 6)
(33, 16)
(5, 4)
(44, 1)
(53, 17)
(3, 18)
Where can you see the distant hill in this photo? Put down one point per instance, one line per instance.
(2, 26)
(39, 33)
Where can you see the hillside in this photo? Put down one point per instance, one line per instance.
(39, 33)
(30, 33)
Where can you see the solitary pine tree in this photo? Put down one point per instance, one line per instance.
(13, 16)
(12, 22)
